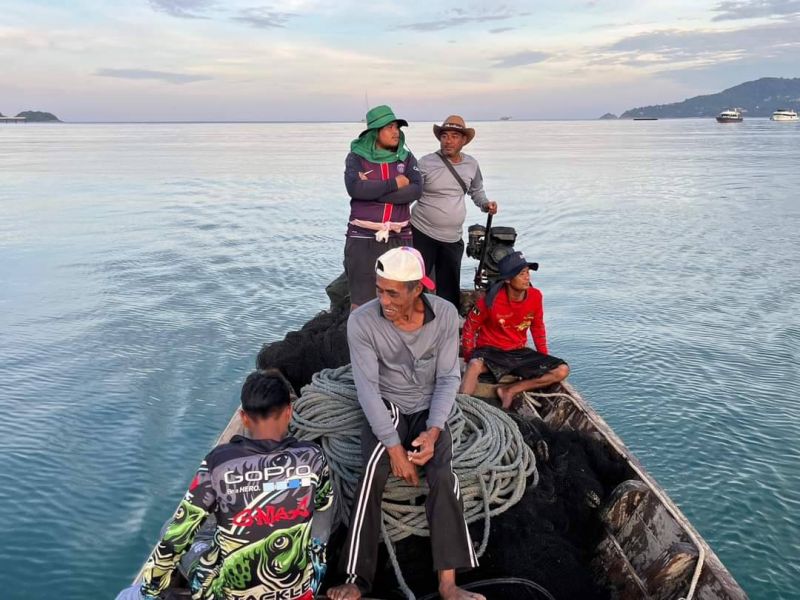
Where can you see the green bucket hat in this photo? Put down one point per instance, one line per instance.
(380, 116)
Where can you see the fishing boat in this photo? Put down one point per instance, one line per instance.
(784, 114)
(591, 524)
(646, 549)
(731, 115)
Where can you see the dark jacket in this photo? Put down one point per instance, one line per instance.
(378, 198)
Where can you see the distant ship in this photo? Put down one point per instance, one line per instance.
(505, 118)
(784, 114)
(645, 118)
(732, 115)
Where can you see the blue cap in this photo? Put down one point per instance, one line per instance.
(511, 264)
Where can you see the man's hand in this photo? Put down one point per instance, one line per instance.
(424, 444)
(348, 591)
(401, 466)
(490, 207)
(402, 181)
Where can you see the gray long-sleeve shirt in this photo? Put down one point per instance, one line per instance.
(440, 211)
(414, 370)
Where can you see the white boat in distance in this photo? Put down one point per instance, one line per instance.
(732, 115)
(784, 114)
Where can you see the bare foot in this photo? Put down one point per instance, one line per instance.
(453, 592)
(348, 591)
(506, 397)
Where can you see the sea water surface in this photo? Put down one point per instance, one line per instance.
(143, 265)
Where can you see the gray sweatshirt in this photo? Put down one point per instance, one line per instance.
(441, 210)
(414, 370)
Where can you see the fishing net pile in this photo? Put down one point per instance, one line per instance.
(320, 344)
(548, 536)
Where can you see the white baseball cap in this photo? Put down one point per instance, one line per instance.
(403, 264)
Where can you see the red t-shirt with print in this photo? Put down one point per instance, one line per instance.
(505, 325)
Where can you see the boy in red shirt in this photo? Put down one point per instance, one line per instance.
(496, 332)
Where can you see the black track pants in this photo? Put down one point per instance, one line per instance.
(450, 540)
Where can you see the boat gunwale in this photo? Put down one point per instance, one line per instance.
(605, 430)
(706, 556)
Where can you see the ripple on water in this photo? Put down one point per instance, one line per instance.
(139, 291)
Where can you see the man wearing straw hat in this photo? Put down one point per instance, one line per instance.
(404, 352)
(382, 179)
(437, 219)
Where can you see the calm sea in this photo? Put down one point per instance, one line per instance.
(142, 267)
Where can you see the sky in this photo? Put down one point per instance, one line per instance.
(309, 60)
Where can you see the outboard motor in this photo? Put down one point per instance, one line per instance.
(489, 250)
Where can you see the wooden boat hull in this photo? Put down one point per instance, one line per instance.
(649, 549)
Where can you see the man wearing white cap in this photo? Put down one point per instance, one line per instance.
(404, 352)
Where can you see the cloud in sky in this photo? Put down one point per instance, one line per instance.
(185, 9)
(266, 60)
(177, 78)
(675, 48)
(459, 17)
(520, 59)
(263, 17)
(751, 9)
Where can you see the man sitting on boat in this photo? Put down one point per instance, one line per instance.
(271, 496)
(496, 332)
(404, 354)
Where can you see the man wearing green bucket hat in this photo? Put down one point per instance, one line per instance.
(382, 179)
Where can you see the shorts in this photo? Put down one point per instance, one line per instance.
(360, 255)
(526, 363)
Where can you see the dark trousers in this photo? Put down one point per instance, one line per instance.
(360, 255)
(450, 540)
(445, 259)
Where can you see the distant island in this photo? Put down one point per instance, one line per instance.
(759, 98)
(609, 117)
(36, 116)
(33, 116)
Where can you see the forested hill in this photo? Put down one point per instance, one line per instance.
(37, 116)
(758, 98)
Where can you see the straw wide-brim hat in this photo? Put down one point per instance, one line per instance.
(454, 123)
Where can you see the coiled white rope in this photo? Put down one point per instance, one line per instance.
(490, 458)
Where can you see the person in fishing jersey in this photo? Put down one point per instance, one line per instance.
(382, 180)
(271, 496)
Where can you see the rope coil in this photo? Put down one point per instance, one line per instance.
(490, 458)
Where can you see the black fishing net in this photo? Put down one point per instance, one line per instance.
(320, 344)
(548, 537)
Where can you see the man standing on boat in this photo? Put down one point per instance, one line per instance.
(437, 220)
(404, 353)
(270, 495)
(382, 179)
(496, 332)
